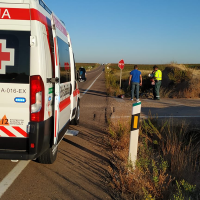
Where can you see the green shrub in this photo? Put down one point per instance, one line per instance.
(112, 84)
(185, 191)
(178, 76)
(166, 154)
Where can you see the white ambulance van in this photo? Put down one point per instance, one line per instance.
(39, 94)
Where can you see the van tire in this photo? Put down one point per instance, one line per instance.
(48, 157)
(75, 121)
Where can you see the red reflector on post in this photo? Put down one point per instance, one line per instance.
(32, 145)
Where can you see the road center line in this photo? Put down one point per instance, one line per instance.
(91, 85)
(10, 178)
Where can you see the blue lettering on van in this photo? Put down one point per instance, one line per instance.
(20, 100)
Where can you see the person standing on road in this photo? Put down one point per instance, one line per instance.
(158, 79)
(135, 81)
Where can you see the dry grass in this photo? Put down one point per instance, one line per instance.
(195, 72)
(113, 80)
(126, 74)
(87, 66)
(193, 91)
(165, 156)
(180, 66)
(112, 83)
(179, 81)
(179, 146)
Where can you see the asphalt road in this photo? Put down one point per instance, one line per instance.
(81, 169)
(178, 111)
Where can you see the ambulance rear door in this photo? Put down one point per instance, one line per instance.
(62, 98)
(14, 77)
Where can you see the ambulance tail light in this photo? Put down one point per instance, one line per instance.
(37, 99)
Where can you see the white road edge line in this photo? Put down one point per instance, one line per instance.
(171, 117)
(10, 178)
(91, 85)
(146, 117)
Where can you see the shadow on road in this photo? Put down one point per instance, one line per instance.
(176, 111)
(87, 150)
(93, 92)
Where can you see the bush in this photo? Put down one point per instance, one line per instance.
(185, 191)
(179, 81)
(112, 85)
(166, 154)
(178, 76)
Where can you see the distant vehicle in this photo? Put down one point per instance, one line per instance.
(82, 74)
(38, 89)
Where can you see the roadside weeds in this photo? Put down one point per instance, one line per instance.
(179, 81)
(168, 160)
(165, 156)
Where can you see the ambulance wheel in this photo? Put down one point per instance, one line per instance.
(75, 121)
(49, 156)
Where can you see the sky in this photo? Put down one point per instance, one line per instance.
(138, 31)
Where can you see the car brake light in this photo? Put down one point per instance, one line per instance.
(37, 99)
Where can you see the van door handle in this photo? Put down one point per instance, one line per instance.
(53, 80)
(70, 88)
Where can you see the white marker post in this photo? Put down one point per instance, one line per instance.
(120, 84)
(136, 110)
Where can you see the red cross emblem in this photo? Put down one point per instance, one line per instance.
(6, 56)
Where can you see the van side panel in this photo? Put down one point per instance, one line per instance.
(42, 132)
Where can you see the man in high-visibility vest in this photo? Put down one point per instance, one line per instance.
(158, 79)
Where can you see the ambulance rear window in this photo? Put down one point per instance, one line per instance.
(14, 56)
(65, 69)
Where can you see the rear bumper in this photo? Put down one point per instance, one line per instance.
(20, 148)
(13, 155)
